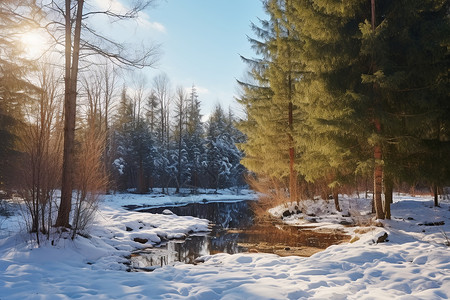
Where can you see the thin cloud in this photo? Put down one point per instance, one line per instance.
(142, 19)
(112, 5)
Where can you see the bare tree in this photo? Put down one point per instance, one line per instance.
(139, 96)
(90, 180)
(162, 94)
(109, 85)
(99, 89)
(161, 88)
(42, 143)
(76, 47)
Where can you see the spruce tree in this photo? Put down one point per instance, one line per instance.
(334, 134)
(412, 81)
(194, 140)
(271, 112)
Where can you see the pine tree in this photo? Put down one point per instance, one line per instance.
(15, 90)
(334, 100)
(194, 140)
(180, 136)
(222, 156)
(123, 127)
(412, 82)
(269, 102)
(237, 171)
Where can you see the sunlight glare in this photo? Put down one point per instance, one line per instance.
(34, 44)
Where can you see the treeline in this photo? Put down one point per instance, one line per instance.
(73, 125)
(348, 92)
(160, 141)
(140, 137)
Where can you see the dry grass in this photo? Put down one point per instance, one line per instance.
(91, 179)
(272, 193)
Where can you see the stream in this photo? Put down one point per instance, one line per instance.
(234, 230)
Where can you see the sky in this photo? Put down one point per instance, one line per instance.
(201, 41)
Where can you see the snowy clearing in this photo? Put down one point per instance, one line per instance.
(413, 264)
(155, 200)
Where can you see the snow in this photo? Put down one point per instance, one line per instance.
(413, 264)
(158, 200)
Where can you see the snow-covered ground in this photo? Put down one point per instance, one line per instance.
(155, 200)
(413, 264)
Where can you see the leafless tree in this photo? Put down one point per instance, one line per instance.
(162, 94)
(138, 98)
(161, 91)
(90, 180)
(69, 23)
(41, 141)
(99, 91)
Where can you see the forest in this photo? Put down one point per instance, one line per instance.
(343, 94)
(108, 129)
(331, 183)
(339, 95)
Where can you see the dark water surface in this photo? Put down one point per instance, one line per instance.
(234, 230)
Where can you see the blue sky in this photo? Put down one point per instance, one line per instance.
(201, 42)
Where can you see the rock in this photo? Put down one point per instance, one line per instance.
(199, 260)
(440, 223)
(344, 222)
(139, 240)
(129, 229)
(382, 238)
(354, 239)
(287, 213)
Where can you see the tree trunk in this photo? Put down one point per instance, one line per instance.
(377, 153)
(336, 200)
(436, 195)
(292, 173)
(141, 186)
(388, 192)
(180, 129)
(378, 183)
(71, 77)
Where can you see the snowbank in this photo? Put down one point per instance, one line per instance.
(158, 200)
(413, 264)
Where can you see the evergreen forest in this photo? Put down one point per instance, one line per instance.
(340, 96)
(349, 95)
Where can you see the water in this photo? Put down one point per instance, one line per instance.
(233, 231)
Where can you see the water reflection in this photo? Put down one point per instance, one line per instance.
(233, 231)
(222, 214)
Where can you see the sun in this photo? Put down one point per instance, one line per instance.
(34, 44)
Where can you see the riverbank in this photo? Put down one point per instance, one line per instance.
(413, 262)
